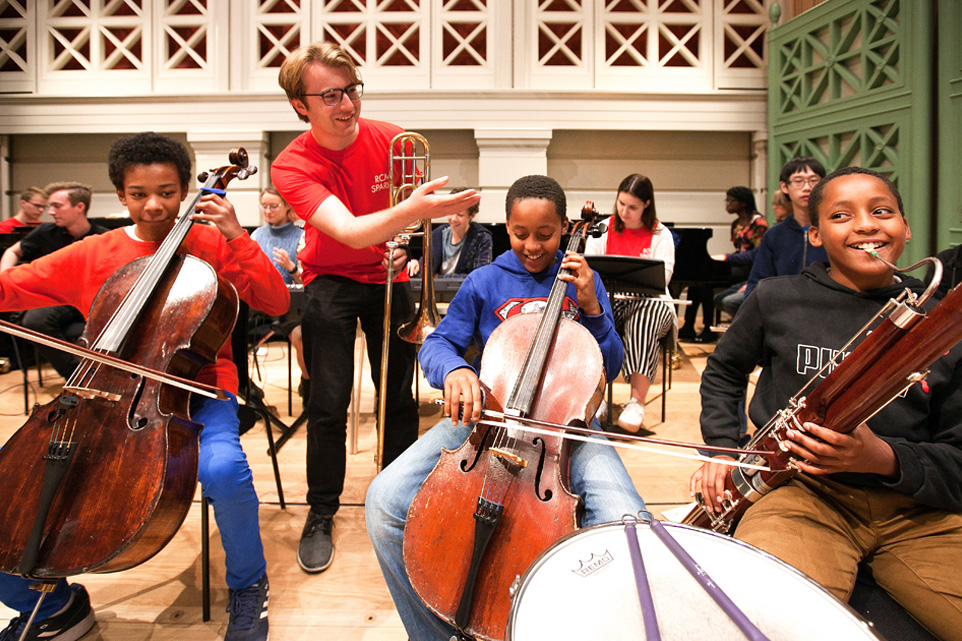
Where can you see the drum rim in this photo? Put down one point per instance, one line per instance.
(513, 610)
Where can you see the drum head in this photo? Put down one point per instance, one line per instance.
(583, 587)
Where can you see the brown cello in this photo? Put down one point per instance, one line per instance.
(489, 508)
(100, 479)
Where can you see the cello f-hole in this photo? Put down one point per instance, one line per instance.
(477, 455)
(538, 441)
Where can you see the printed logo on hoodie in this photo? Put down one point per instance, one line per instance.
(513, 306)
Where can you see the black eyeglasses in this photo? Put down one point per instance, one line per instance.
(333, 97)
(37, 205)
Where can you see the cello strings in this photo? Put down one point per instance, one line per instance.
(633, 446)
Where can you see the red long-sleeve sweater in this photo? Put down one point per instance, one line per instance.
(75, 274)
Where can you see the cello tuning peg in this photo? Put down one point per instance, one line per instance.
(203, 176)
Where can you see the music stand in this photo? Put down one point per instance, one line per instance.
(643, 276)
(633, 275)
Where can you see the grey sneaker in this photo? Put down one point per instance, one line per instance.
(248, 612)
(316, 550)
(69, 624)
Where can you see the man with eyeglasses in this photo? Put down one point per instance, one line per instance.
(33, 202)
(335, 177)
(785, 249)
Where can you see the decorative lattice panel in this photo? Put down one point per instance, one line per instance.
(875, 146)
(279, 27)
(186, 34)
(14, 35)
(740, 43)
(94, 35)
(853, 54)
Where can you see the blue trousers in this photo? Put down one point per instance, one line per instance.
(597, 475)
(228, 484)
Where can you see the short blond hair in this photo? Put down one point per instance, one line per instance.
(291, 74)
(76, 193)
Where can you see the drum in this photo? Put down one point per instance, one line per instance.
(583, 587)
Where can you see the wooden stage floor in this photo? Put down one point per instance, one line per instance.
(161, 599)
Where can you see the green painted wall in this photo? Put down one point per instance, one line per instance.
(850, 83)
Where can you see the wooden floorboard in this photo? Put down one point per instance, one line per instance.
(161, 599)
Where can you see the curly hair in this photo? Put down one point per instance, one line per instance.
(536, 187)
(147, 148)
(818, 192)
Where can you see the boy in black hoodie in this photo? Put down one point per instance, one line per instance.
(889, 493)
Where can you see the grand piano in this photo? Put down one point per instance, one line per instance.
(693, 263)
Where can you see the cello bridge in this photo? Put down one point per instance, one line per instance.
(508, 456)
(90, 394)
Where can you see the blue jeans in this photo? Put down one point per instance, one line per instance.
(226, 480)
(597, 475)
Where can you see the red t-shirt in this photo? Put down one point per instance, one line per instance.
(10, 224)
(73, 276)
(630, 242)
(306, 174)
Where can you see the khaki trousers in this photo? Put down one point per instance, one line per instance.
(825, 529)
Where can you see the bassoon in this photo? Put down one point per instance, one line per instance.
(892, 357)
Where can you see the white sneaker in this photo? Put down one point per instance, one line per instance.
(602, 413)
(632, 416)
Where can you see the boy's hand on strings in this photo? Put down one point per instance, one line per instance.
(825, 451)
(462, 385)
(584, 281)
(217, 210)
(709, 479)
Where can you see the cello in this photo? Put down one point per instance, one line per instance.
(489, 508)
(101, 478)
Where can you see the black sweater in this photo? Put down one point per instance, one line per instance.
(791, 325)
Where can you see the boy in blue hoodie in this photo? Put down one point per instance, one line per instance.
(785, 249)
(517, 282)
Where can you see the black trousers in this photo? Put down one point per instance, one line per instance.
(329, 322)
(54, 321)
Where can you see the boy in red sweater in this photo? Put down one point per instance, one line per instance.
(151, 174)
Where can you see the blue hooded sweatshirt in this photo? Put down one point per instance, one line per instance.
(494, 293)
(784, 251)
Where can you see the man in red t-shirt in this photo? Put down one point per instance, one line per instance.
(33, 202)
(335, 176)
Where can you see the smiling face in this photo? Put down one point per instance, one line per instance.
(333, 127)
(152, 195)
(859, 213)
(630, 208)
(535, 230)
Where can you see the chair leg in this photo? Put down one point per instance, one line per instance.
(290, 380)
(665, 373)
(205, 558)
(26, 378)
(272, 450)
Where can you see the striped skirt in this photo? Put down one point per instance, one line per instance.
(641, 325)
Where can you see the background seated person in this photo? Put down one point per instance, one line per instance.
(459, 247)
(634, 230)
(889, 493)
(33, 202)
(281, 238)
(785, 249)
(69, 204)
(747, 231)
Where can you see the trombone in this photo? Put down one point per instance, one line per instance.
(410, 167)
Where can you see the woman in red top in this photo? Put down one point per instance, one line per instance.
(634, 230)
